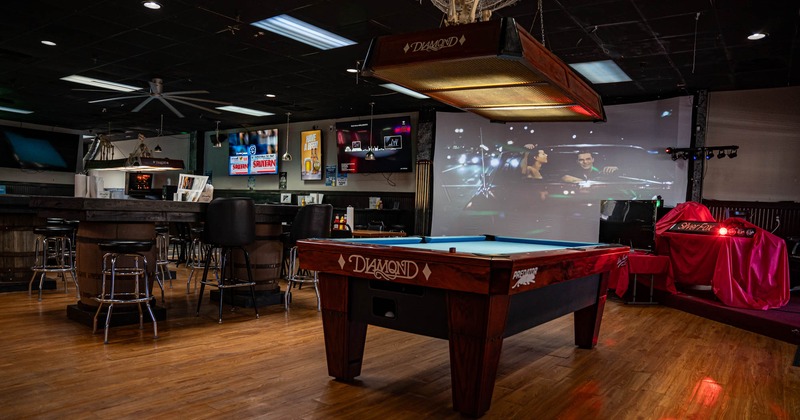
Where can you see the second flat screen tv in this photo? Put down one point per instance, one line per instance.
(390, 144)
(253, 152)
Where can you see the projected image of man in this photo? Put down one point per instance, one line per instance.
(588, 171)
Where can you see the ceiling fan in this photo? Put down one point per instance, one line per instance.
(157, 92)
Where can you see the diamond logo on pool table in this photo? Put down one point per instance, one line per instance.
(426, 271)
(341, 261)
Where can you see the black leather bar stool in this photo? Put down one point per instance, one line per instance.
(311, 221)
(230, 225)
(132, 280)
(53, 254)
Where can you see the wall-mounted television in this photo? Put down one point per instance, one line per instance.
(23, 148)
(253, 152)
(390, 144)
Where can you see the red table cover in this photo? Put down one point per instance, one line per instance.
(743, 272)
(642, 263)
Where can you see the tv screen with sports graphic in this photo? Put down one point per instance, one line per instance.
(253, 152)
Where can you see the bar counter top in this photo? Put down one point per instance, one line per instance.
(130, 210)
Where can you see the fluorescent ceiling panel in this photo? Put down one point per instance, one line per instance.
(246, 111)
(15, 110)
(100, 83)
(599, 72)
(400, 89)
(306, 33)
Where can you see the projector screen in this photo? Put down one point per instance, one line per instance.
(546, 180)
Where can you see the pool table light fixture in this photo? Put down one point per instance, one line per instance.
(494, 69)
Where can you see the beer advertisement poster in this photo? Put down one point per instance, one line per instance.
(311, 155)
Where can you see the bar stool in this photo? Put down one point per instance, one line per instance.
(53, 254)
(162, 258)
(230, 225)
(311, 221)
(196, 257)
(108, 292)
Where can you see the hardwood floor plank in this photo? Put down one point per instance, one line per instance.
(650, 362)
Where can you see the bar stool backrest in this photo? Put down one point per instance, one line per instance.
(230, 222)
(312, 221)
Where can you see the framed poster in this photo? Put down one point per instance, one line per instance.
(311, 155)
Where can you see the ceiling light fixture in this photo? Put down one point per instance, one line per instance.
(494, 69)
(755, 36)
(105, 84)
(352, 70)
(269, 95)
(600, 72)
(304, 32)
(48, 43)
(400, 89)
(15, 110)
(246, 111)
(152, 5)
(370, 154)
(215, 140)
(286, 156)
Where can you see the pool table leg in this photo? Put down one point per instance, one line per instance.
(587, 320)
(344, 339)
(476, 326)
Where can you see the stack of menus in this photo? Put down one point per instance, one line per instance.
(190, 187)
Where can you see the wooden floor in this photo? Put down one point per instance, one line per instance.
(651, 362)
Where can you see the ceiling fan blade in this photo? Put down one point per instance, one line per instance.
(98, 90)
(193, 105)
(141, 105)
(171, 108)
(116, 98)
(186, 98)
(185, 92)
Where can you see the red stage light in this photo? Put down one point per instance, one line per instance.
(723, 231)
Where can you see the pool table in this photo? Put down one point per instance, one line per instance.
(471, 290)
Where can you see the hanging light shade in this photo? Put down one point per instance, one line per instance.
(494, 69)
(286, 156)
(370, 154)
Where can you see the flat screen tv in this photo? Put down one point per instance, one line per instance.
(23, 148)
(389, 143)
(629, 222)
(253, 152)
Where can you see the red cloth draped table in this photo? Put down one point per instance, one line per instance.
(742, 272)
(657, 266)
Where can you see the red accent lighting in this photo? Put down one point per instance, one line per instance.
(723, 231)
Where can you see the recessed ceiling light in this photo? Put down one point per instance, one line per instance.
(154, 5)
(48, 43)
(352, 70)
(100, 83)
(755, 36)
(306, 33)
(246, 111)
(269, 95)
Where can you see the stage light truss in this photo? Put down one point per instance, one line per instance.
(699, 153)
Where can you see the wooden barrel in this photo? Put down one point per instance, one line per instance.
(90, 258)
(266, 255)
(16, 247)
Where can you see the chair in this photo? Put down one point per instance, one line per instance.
(312, 221)
(53, 254)
(132, 251)
(196, 258)
(230, 225)
(162, 258)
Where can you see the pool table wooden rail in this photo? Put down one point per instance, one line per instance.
(460, 271)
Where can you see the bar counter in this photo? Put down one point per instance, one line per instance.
(108, 219)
